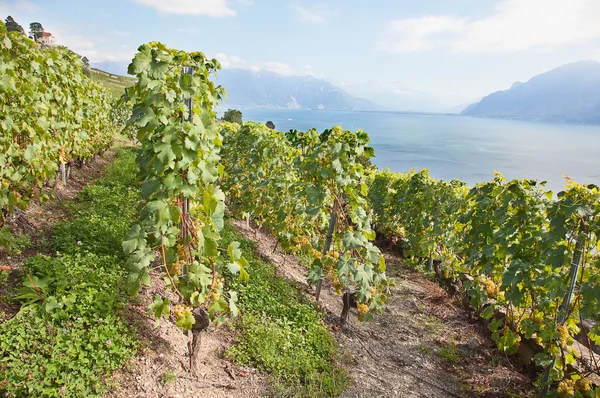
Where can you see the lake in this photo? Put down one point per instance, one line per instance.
(466, 148)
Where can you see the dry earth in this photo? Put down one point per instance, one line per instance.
(162, 368)
(419, 347)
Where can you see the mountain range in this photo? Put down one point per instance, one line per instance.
(567, 94)
(265, 89)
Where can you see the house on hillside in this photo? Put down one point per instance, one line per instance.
(46, 39)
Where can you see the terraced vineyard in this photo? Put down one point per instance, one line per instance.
(527, 260)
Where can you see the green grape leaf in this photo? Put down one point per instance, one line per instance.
(160, 307)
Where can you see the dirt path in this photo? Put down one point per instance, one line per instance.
(161, 368)
(419, 347)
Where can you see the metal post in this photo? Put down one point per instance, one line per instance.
(564, 308)
(185, 202)
(332, 221)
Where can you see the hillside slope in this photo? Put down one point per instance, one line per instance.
(569, 93)
(116, 84)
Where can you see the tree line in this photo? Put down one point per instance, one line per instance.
(235, 116)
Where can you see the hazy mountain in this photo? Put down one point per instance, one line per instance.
(396, 96)
(569, 93)
(264, 89)
(458, 109)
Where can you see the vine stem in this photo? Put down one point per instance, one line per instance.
(162, 247)
(36, 287)
(327, 244)
(214, 273)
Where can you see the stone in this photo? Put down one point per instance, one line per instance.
(474, 343)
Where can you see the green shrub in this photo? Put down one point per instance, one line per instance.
(15, 244)
(68, 333)
(302, 358)
(122, 172)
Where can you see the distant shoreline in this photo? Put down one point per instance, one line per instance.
(415, 113)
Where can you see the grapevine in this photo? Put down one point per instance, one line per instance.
(516, 250)
(52, 114)
(183, 207)
(301, 186)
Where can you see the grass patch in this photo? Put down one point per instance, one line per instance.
(450, 353)
(17, 244)
(116, 84)
(168, 377)
(447, 351)
(433, 325)
(425, 349)
(70, 334)
(282, 333)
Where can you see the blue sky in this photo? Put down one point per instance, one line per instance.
(456, 50)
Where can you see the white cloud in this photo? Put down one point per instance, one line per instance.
(279, 67)
(235, 62)
(17, 6)
(96, 48)
(514, 25)
(18, 9)
(417, 34)
(317, 13)
(211, 8)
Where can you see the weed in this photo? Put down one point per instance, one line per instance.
(425, 349)
(450, 353)
(69, 335)
(168, 377)
(3, 278)
(17, 244)
(432, 324)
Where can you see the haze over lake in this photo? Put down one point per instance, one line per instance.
(466, 148)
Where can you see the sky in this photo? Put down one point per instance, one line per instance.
(455, 50)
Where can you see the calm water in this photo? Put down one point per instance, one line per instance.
(466, 148)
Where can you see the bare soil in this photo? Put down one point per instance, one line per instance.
(161, 369)
(419, 347)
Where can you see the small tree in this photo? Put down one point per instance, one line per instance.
(233, 116)
(13, 26)
(86, 66)
(35, 30)
(270, 125)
